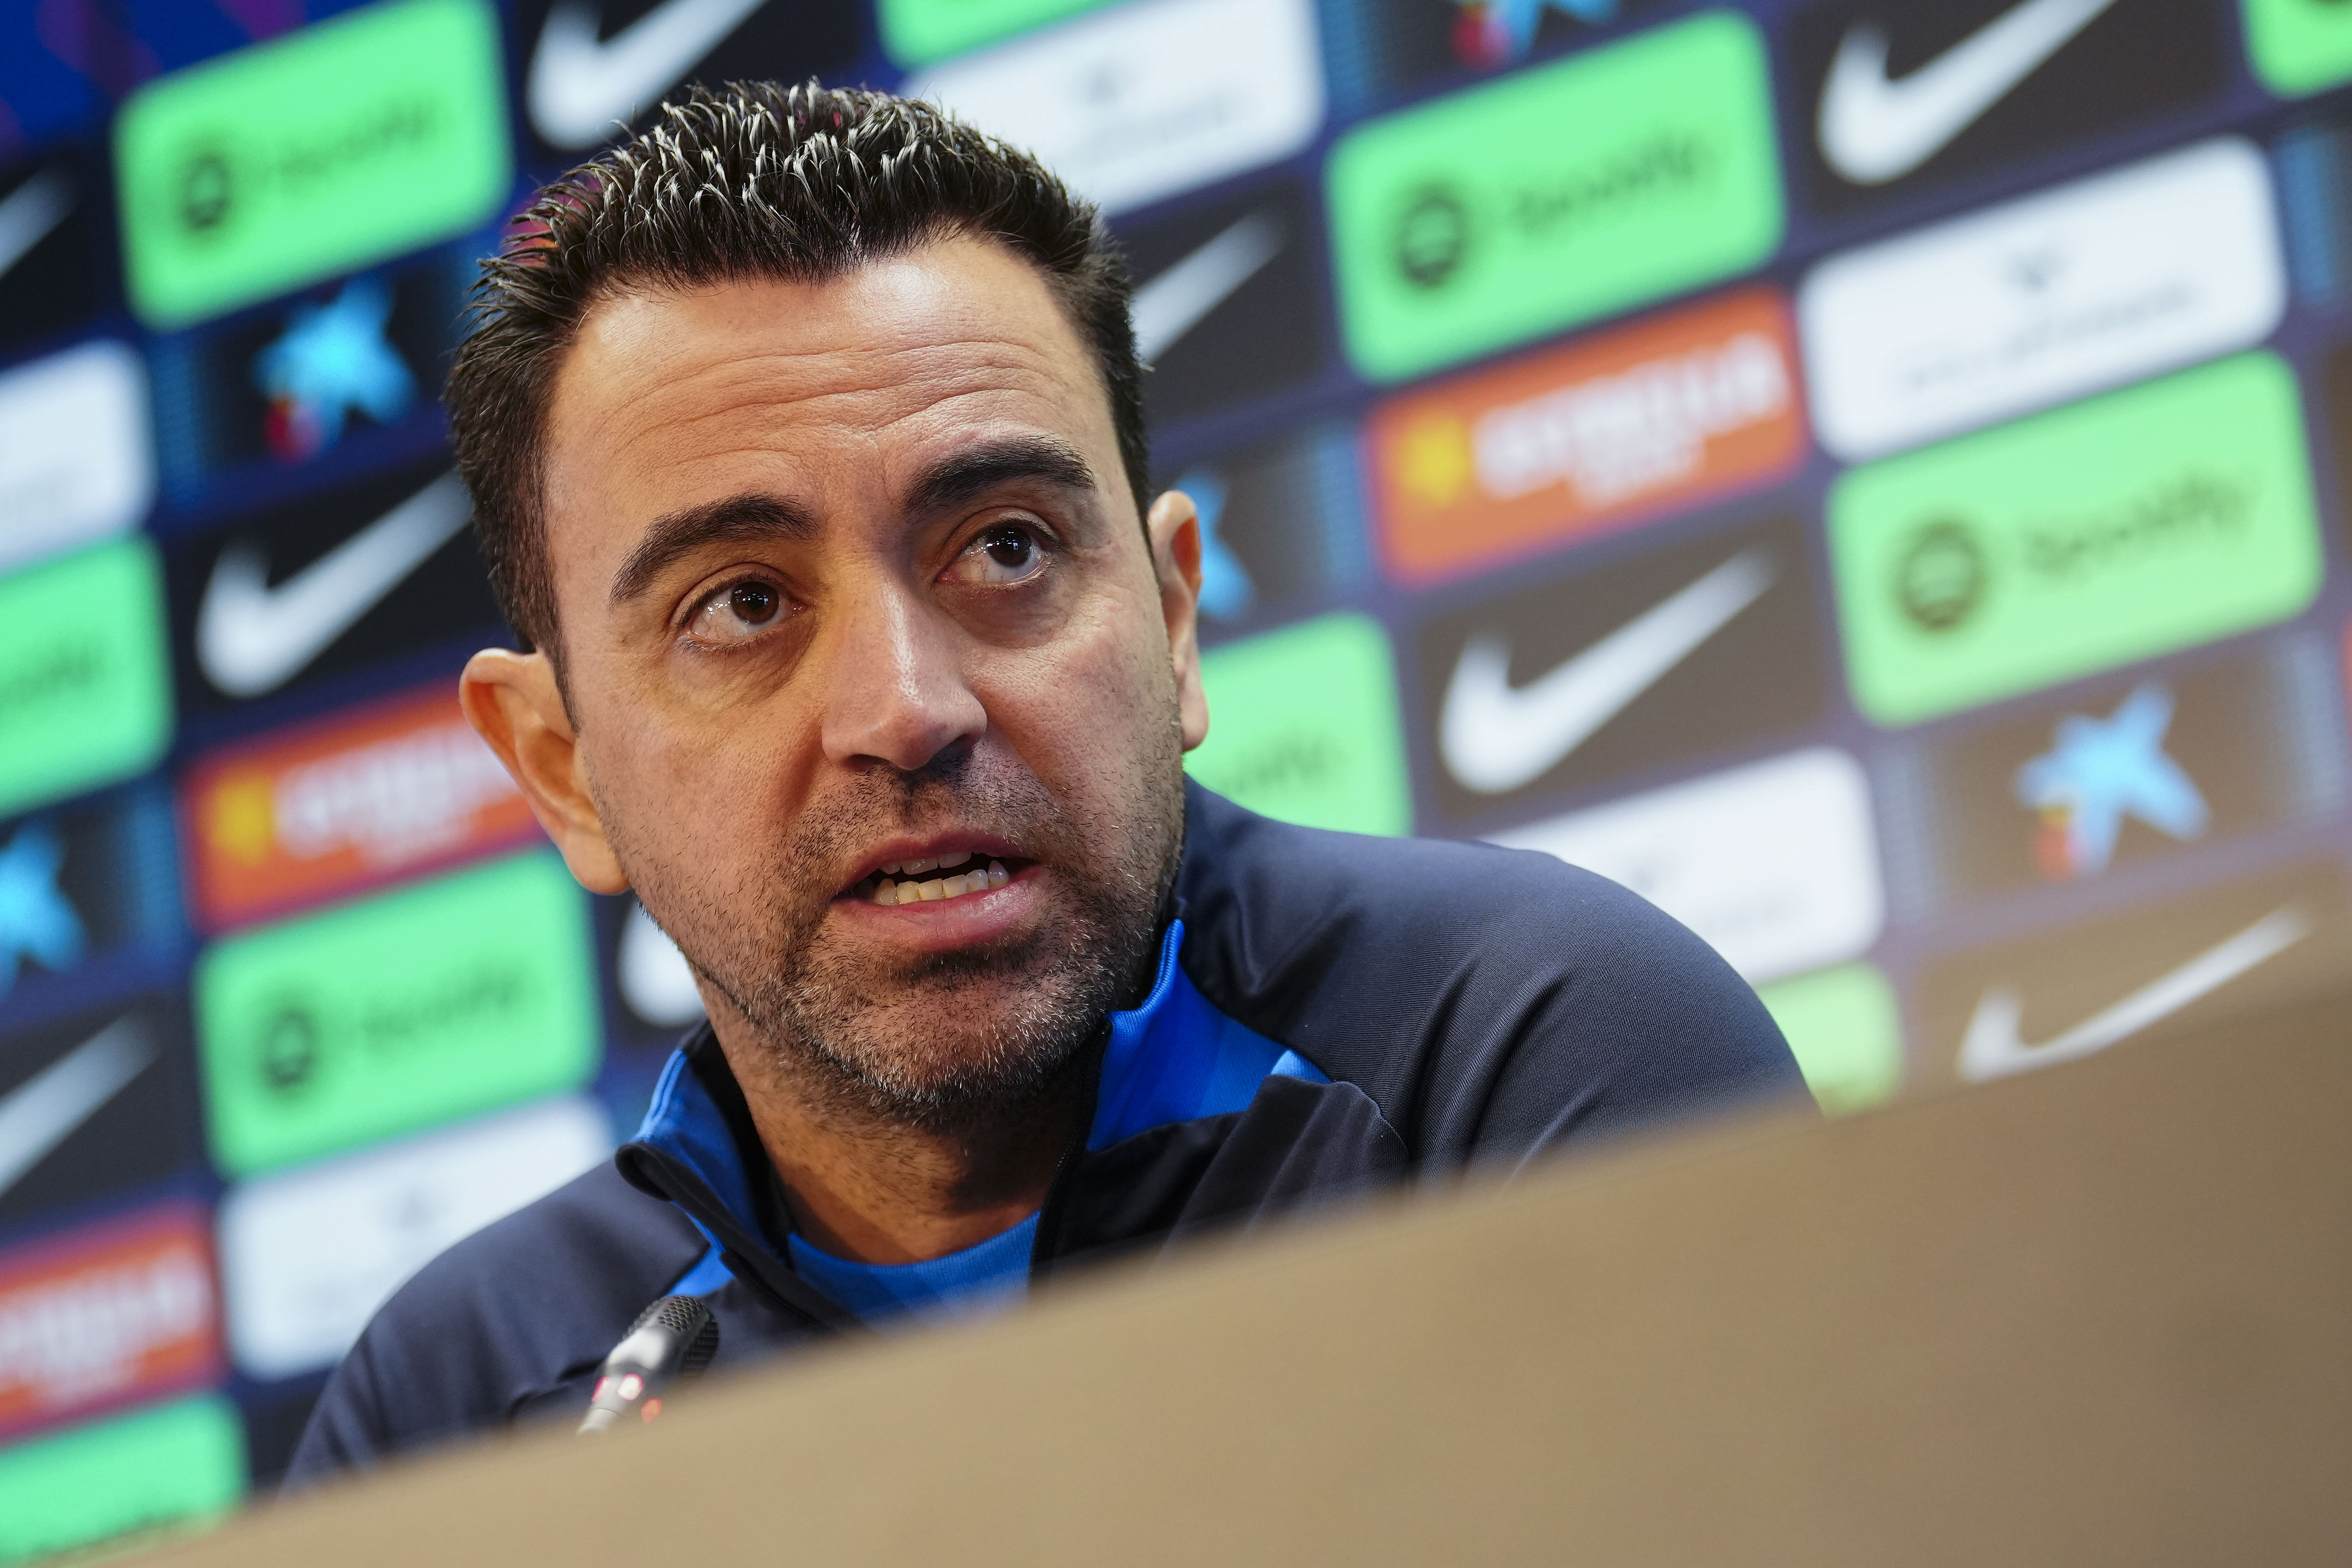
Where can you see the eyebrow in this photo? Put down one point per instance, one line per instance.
(970, 474)
(674, 535)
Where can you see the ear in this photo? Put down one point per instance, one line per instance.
(513, 703)
(1175, 530)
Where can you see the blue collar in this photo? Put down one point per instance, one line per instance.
(1173, 1058)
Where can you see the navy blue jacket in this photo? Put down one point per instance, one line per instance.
(1330, 1012)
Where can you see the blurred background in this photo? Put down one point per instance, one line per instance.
(1867, 473)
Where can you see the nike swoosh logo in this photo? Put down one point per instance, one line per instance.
(1177, 300)
(582, 90)
(1496, 737)
(1872, 129)
(32, 210)
(1992, 1048)
(47, 1108)
(252, 638)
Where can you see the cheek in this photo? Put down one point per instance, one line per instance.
(1086, 712)
(676, 789)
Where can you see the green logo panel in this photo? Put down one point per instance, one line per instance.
(1847, 1034)
(1303, 726)
(327, 150)
(2165, 514)
(177, 1465)
(917, 32)
(453, 996)
(1556, 195)
(2299, 46)
(85, 677)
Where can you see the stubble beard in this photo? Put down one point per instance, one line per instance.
(949, 1042)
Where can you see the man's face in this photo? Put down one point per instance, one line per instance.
(850, 582)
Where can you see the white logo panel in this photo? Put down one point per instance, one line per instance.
(1146, 99)
(2108, 280)
(1775, 865)
(307, 1256)
(76, 463)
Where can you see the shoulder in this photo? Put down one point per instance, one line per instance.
(1489, 1000)
(508, 1313)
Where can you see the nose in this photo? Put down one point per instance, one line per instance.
(895, 691)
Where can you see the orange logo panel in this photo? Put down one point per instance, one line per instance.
(335, 808)
(1587, 436)
(107, 1317)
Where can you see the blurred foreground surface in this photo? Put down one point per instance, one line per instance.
(2094, 1316)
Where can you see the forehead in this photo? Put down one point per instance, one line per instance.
(827, 392)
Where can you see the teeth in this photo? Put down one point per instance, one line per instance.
(887, 893)
(891, 869)
(916, 868)
(997, 874)
(957, 859)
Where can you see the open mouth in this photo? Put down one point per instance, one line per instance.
(929, 880)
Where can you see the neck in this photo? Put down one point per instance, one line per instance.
(873, 1190)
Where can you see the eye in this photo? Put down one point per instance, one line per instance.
(738, 613)
(1007, 553)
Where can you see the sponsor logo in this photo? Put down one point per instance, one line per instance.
(1873, 129)
(50, 261)
(88, 1107)
(85, 698)
(2125, 772)
(1847, 1032)
(252, 636)
(328, 584)
(1227, 307)
(290, 384)
(1904, 95)
(1303, 726)
(1575, 440)
(334, 807)
(2099, 771)
(320, 152)
(2298, 47)
(331, 362)
(76, 466)
(1387, 45)
(2093, 284)
(1277, 522)
(1706, 644)
(1611, 178)
(308, 1255)
(82, 883)
(917, 32)
(1151, 99)
(37, 924)
(596, 66)
(105, 1316)
(123, 1477)
(1774, 865)
(2151, 519)
(437, 1001)
(2224, 951)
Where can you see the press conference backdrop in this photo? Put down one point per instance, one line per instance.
(1865, 473)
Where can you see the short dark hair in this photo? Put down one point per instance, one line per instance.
(751, 180)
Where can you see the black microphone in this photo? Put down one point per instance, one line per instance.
(673, 1338)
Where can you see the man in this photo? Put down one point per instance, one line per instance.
(805, 441)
